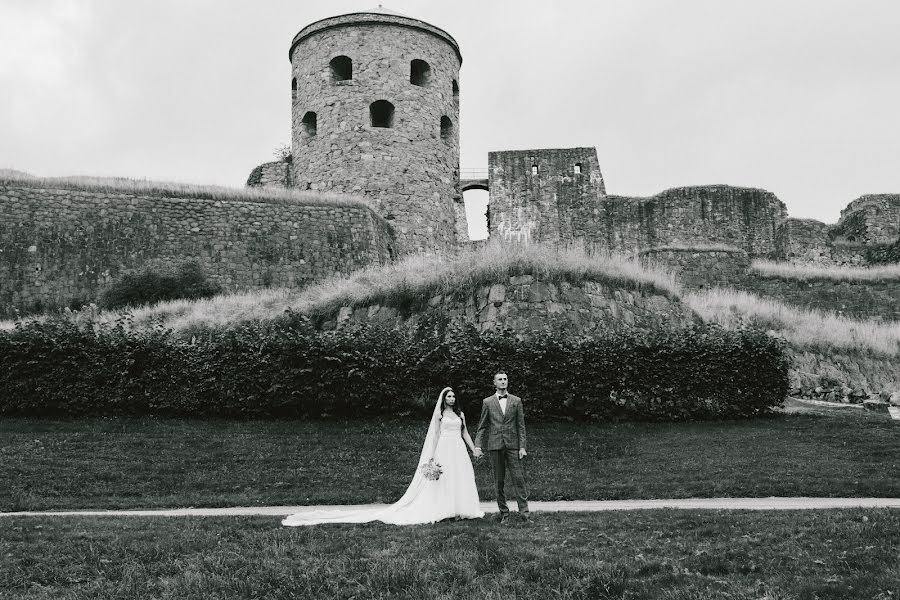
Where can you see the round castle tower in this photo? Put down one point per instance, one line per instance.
(375, 112)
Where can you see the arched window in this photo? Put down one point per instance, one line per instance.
(455, 90)
(381, 113)
(294, 89)
(341, 68)
(534, 169)
(578, 168)
(309, 123)
(419, 72)
(446, 128)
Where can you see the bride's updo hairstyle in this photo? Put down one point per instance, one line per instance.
(455, 408)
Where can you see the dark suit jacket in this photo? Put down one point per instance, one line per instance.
(502, 430)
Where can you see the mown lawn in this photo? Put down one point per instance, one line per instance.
(147, 463)
(673, 555)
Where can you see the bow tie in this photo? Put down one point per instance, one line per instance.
(501, 397)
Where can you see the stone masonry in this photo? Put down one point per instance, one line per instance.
(375, 113)
(271, 174)
(60, 247)
(545, 195)
(526, 304)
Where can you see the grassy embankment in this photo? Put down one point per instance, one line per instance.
(409, 283)
(672, 555)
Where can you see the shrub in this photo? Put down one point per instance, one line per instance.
(149, 286)
(63, 367)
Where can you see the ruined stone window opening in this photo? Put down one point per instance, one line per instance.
(341, 68)
(446, 128)
(294, 89)
(534, 169)
(381, 113)
(455, 90)
(309, 123)
(419, 72)
(578, 168)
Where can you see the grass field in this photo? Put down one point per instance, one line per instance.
(130, 463)
(646, 555)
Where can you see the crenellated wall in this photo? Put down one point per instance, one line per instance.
(60, 247)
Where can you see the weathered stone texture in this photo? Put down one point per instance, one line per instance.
(744, 218)
(62, 246)
(870, 219)
(804, 241)
(843, 377)
(537, 196)
(525, 305)
(700, 268)
(271, 174)
(862, 300)
(409, 170)
(555, 204)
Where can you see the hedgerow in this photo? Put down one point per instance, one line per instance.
(150, 286)
(287, 369)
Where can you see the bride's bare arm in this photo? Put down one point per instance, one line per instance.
(437, 436)
(465, 435)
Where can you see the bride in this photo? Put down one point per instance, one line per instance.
(453, 494)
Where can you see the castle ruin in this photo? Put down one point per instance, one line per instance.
(375, 114)
(344, 68)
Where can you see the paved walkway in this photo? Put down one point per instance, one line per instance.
(490, 507)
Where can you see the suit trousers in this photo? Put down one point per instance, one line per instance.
(501, 460)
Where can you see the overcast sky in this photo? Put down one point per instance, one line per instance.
(799, 97)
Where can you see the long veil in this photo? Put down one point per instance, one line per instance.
(391, 513)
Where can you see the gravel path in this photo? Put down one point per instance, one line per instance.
(490, 507)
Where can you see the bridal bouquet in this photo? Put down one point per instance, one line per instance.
(431, 470)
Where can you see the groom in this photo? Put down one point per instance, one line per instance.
(503, 420)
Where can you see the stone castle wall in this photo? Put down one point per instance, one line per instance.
(409, 170)
(537, 196)
(858, 299)
(526, 304)
(545, 195)
(62, 246)
(701, 268)
(743, 218)
(870, 219)
(271, 174)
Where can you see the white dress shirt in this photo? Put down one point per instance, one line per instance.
(503, 402)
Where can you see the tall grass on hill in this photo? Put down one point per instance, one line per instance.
(405, 285)
(145, 187)
(809, 272)
(800, 328)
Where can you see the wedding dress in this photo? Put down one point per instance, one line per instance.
(454, 494)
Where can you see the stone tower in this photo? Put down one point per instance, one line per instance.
(375, 112)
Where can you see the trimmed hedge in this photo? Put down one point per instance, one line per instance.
(189, 281)
(288, 370)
